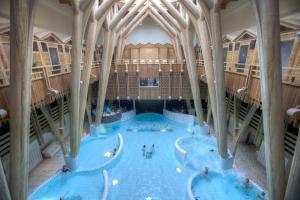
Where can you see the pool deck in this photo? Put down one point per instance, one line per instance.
(245, 162)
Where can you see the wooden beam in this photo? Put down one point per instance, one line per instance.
(191, 67)
(21, 40)
(268, 33)
(236, 113)
(117, 18)
(166, 14)
(89, 105)
(130, 15)
(293, 185)
(109, 46)
(61, 112)
(163, 20)
(4, 190)
(36, 126)
(242, 130)
(193, 8)
(54, 129)
(175, 13)
(103, 8)
(135, 21)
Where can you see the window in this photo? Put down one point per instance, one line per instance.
(230, 47)
(286, 50)
(35, 46)
(149, 83)
(237, 46)
(252, 44)
(54, 60)
(44, 47)
(67, 50)
(242, 58)
(60, 49)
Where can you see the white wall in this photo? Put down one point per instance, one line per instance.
(148, 32)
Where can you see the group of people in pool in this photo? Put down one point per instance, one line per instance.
(148, 154)
(247, 185)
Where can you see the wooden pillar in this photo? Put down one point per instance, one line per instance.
(87, 68)
(191, 66)
(21, 38)
(293, 185)
(218, 60)
(188, 105)
(165, 104)
(242, 130)
(268, 33)
(4, 190)
(109, 46)
(75, 84)
(203, 35)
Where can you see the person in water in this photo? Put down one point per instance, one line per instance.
(65, 169)
(262, 195)
(206, 170)
(152, 149)
(247, 182)
(114, 151)
(144, 150)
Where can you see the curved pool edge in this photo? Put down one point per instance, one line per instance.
(106, 185)
(108, 164)
(191, 179)
(180, 153)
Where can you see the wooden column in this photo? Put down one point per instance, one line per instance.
(94, 28)
(203, 35)
(191, 66)
(21, 38)
(109, 46)
(293, 185)
(75, 83)
(4, 190)
(218, 60)
(268, 33)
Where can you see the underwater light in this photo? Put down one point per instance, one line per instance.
(178, 170)
(163, 130)
(189, 130)
(107, 154)
(148, 198)
(115, 181)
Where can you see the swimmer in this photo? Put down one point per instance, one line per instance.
(262, 195)
(152, 149)
(206, 170)
(247, 182)
(65, 169)
(114, 151)
(211, 150)
(144, 150)
(61, 198)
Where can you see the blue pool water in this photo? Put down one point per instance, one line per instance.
(135, 177)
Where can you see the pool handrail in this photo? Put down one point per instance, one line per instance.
(106, 185)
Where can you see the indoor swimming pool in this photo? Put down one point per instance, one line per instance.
(146, 165)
